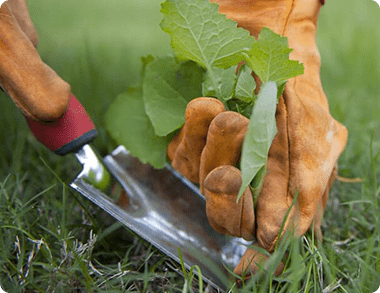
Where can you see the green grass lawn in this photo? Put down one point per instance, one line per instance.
(53, 240)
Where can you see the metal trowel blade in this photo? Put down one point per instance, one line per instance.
(167, 210)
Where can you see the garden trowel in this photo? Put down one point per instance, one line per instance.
(159, 205)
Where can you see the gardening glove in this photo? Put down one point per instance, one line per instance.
(210, 138)
(303, 155)
(33, 86)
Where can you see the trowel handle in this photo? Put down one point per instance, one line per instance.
(69, 133)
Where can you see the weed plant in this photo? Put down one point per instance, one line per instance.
(53, 240)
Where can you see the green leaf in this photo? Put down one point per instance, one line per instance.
(199, 33)
(245, 85)
(145, 61)
(257, 183)
(243, 92)
(167, 88)
(281, 87)
(261, 131)
(129, 125)
(269, 58)
(224, 80)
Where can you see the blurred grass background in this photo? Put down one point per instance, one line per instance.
(96, 46)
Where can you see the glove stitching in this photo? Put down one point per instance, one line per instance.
(287, 18)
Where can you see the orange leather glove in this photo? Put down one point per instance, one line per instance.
(304, 153)
(33, 86)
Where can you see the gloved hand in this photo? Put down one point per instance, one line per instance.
(33, 86)
(304, 153)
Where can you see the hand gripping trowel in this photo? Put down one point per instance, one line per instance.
(162, 206)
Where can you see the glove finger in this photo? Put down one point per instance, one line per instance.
(20, 11)
(225, 215)
(252, 261)
(185, 149)
(34, 87)
(224, 141)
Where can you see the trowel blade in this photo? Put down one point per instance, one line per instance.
(167, 210)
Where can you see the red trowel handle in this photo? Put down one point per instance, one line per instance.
(67, 134)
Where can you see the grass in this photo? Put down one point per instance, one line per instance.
(53, 240)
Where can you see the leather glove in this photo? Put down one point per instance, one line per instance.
(33, 86)
(303, 155)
